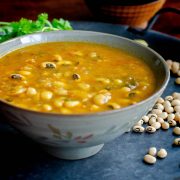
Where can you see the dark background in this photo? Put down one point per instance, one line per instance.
(12, 10)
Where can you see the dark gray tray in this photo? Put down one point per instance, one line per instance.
(120, 159)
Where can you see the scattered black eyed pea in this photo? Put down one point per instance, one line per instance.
(113, 105)
(152, 115)
(160, 100)
(48, 65)
(159, 106)
(169, 109)
(150, 129)
(175, 102)
(162, 153)
(160, 120)
(175, 67)
(31, 91)
(76, 76)
(177, 108)
(156, 125)
(176, 95)
(176, 141)
(138, 129)
(177, 117)
(169, 63)
(157, 111)
(152, 151)
(152, 120)
(47, 107)
(166, 104)
(169, 98)
(16, 76)
(100, 99)
(140, 122)
(165, 125)
(163, 115)
(46, 95)
(172, 123)
(171, 116)
(149, 159)
(145, 119)
(176, 130)
(70, 104)
(177, 80)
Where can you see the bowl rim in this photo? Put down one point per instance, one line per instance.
(89, 114)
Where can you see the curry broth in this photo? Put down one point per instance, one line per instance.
(73, 77)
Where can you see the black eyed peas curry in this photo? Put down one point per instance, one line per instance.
(73, 77)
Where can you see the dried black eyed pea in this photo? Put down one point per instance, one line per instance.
(145, 119)
(156, 125)
(150, 129)
(177, 142)
(159, 106)
(176, 95)
(76, 76)
(165, 125)
(175, 102)
(16, 76)
(177, 117)
(152, 115)
(169, 98)
(138, 129)
(169, 109)
(140, 122)
(177, 80)
(162, 153)
(163, 115)
(152, 120)
(176, 130)
(156, 111)
(160, 100)
(152, 151)
(171, 116)
(149, 159)
(177, 108)
(48, 65)
(160, 120)
(172, 123)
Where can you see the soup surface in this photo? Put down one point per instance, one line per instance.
(73, 77)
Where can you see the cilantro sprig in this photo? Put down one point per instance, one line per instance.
(25, 26)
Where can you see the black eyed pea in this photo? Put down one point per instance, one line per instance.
(19, 90)
(31, 91)
(171, 116)
(175, 67)
(152, 115)
(162, 153)
(113, 105)
(156, 125)
(169, 109)
(58, 57)
(176, 130)
(70, 104)
(177, 80)
(152, 120)
(175, 102)
(47, 107)
(16, 76)
(76, 76)
(101, 99)
(160, 100)
(165, 125)
(157, 111)
(176, 95)
(150, 129)
(177, 142)
(152, 151)
(149, 159)
(145, 119)
(169, 63)
(172, 123)
(169, 98)
(138, 129)
(46, 95)
(166, 104)
(159, 106)
(177, 117)
(160, 120)
(163, 115)
(177, 108)
(48, 65)
(140, 122)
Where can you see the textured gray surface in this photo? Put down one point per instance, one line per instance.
(120, 159)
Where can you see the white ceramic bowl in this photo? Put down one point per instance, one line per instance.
(83, 135)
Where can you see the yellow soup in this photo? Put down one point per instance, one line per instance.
(73, 77)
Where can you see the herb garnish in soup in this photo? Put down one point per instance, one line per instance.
(73, 77)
